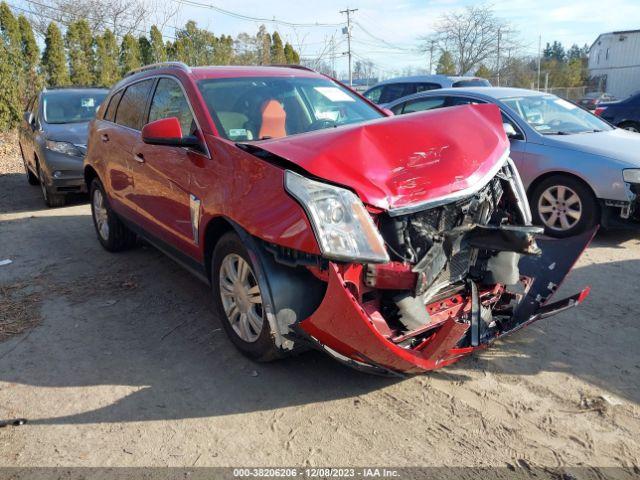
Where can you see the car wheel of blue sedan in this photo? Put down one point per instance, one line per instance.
(564, 206)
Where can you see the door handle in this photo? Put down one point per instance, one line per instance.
(138, 157)
(105, 137)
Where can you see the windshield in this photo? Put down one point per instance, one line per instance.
(258, 108)
(551, 115)
(71, 107)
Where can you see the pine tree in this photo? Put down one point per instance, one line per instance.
(144, 45)
(277, 50)
(264, 46)
(12, 76)
(79, 44)
(30, 57)
(445, 64)
(290, 55)
(129, 54)
(158, 51)
(54, 64)
(106, 59)
(483, 72)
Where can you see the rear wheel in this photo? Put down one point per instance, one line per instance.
(52, 199)
(631, 126)
(113, 235)
(239, 301)
(564, 206)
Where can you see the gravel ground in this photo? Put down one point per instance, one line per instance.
(125, 364)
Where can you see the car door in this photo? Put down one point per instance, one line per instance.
(120, 134)
(165, 176)
(25, 133)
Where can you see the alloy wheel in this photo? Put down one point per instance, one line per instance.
(560, 208)
(43, 187)
(631, 128)
(241, 297)
(100, 214)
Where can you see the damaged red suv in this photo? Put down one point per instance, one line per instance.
(394, 244)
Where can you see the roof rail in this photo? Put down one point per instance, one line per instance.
(155, 66)
(298, 67)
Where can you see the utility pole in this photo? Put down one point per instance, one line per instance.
(347, 31)
(498, 62)
(539, 53)
(433, 42)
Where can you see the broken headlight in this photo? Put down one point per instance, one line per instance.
(64, 147)
(343, 227)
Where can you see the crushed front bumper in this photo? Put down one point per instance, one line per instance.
(346, 329)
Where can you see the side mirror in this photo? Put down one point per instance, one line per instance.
(168, 132)
(28, 117)
(509, 130)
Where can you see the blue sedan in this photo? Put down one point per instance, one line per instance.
(579, 171)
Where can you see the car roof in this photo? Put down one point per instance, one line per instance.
(226, 71)
(487, 92)
(427, 78)
(61, 90)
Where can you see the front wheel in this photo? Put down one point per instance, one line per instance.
(51, 199)
(564, 206)
(239, 300)
(113, 235)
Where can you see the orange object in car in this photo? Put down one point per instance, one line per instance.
(273, 120)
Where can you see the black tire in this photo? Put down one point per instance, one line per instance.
(631, 126)
(588, 206)
(263, 348)
(116, 237)
(51, 199)
(32, 178)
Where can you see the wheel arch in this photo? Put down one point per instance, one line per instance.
(89, 174)
(533, 185)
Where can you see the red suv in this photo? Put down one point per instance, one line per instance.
(394, 244)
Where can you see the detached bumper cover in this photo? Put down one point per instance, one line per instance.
(343, 328)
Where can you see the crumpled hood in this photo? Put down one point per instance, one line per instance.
(399, 161)
(617, 144)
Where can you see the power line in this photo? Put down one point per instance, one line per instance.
(241, 16)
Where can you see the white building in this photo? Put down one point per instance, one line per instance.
(614, 63)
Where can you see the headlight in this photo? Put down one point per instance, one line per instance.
(64, 147)
(631, 175)
(343, 227)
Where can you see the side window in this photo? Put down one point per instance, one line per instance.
(393, 91)
(423, 87)
(397, 110)
(169, 101)
(36, 108)
(454, 101)
(423, 104)
(132, 106)
(374, 94)
(110, 113)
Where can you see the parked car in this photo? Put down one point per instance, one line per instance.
(395, 88)
(390, 243)
(623, 113)
(578, 170)
(53, 139)
(591, 100)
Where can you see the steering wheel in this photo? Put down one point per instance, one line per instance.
(320, 124)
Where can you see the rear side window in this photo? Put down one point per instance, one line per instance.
(133, 104)
(110, 114)
(394, 91)
(169, 101)
(423, 104)
(472, 82)
(454, 101)
(374, 94)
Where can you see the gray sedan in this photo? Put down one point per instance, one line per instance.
(579, 170)
(53, 138)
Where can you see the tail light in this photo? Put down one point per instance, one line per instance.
(598, 111)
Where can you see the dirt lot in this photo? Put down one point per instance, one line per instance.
(126, 365)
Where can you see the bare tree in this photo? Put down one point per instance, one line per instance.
(473, 36)
(119, 16)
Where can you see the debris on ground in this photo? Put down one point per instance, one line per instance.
(20, 309)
